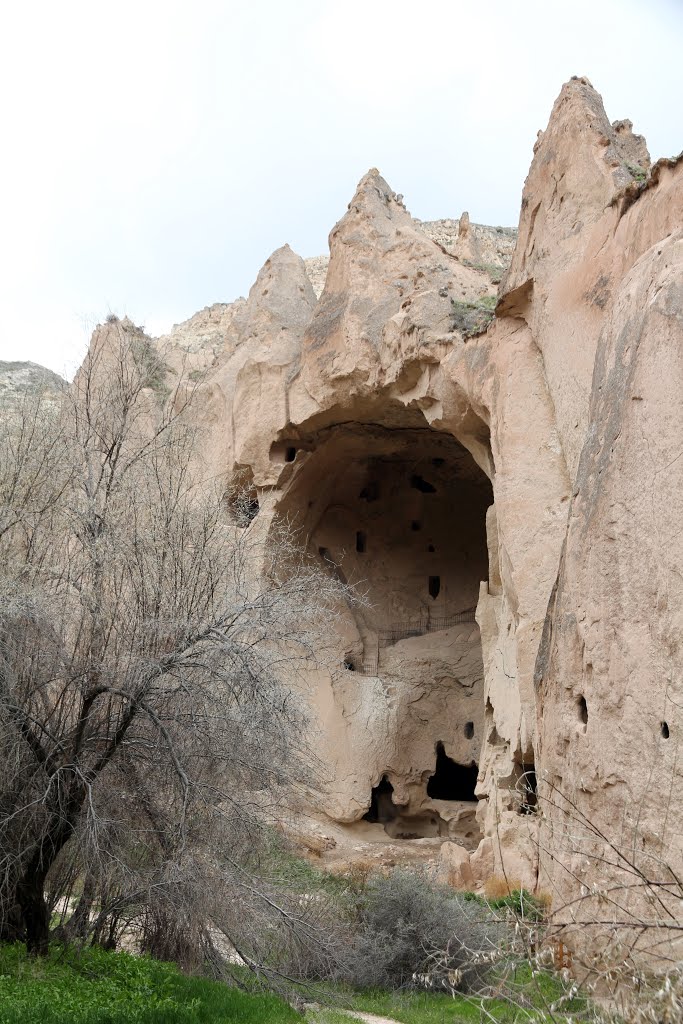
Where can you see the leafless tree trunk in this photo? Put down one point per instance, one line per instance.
(148, 708)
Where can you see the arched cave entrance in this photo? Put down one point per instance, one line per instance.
(381, 802)
(400, 510)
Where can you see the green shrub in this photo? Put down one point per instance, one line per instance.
(637, 173)
(150, 365)
(470, 318)
(522, 903)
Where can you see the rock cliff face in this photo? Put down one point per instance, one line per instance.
(509, 498)
(486, 248)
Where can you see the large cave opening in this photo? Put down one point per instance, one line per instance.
(400, 512)
(397, 823)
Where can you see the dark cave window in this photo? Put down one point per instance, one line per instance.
(422, 485)
(583, 710)
(469, 730)
(416, 525)
(431, 548)
(434, 586)
(361, 541)
(370, 492)
(528, 786)
(290, 454)
(380, 801)
(349, 665)
(664, 729)
(438, 462)
(452, 781)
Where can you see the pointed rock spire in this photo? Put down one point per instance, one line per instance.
(580, 162)
(388, 286)
(282, 295)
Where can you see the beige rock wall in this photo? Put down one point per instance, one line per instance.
(540, 461)
(609, 672)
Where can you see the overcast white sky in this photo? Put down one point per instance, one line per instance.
(156, 151)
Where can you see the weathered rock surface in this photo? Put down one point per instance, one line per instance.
(532, 472)
(486, 248)
(20, 378)
(609, 682)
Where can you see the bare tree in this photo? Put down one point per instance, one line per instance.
(622, 915)
(149, 717)
(609, 921)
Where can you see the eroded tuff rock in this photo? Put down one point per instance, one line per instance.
(387, 305)
(580, 162)
(486, 248)
(609, 684)
(20, 378)
(242, 357)
(531, 472)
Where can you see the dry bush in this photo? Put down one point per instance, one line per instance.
(360, 871)
(496, 887)
(648, 999)
(612, 927)
(412, 932)
(618, 902)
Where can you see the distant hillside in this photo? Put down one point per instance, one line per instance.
(17, 378)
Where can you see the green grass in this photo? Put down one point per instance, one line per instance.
(429, 1007)
(528, 999)
(470, 318)
(97, 987)
(494, 271)
(292, 871)
(327, 1016)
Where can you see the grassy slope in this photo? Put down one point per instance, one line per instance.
(424, 1008)
(96, 987)
(529, 1001)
